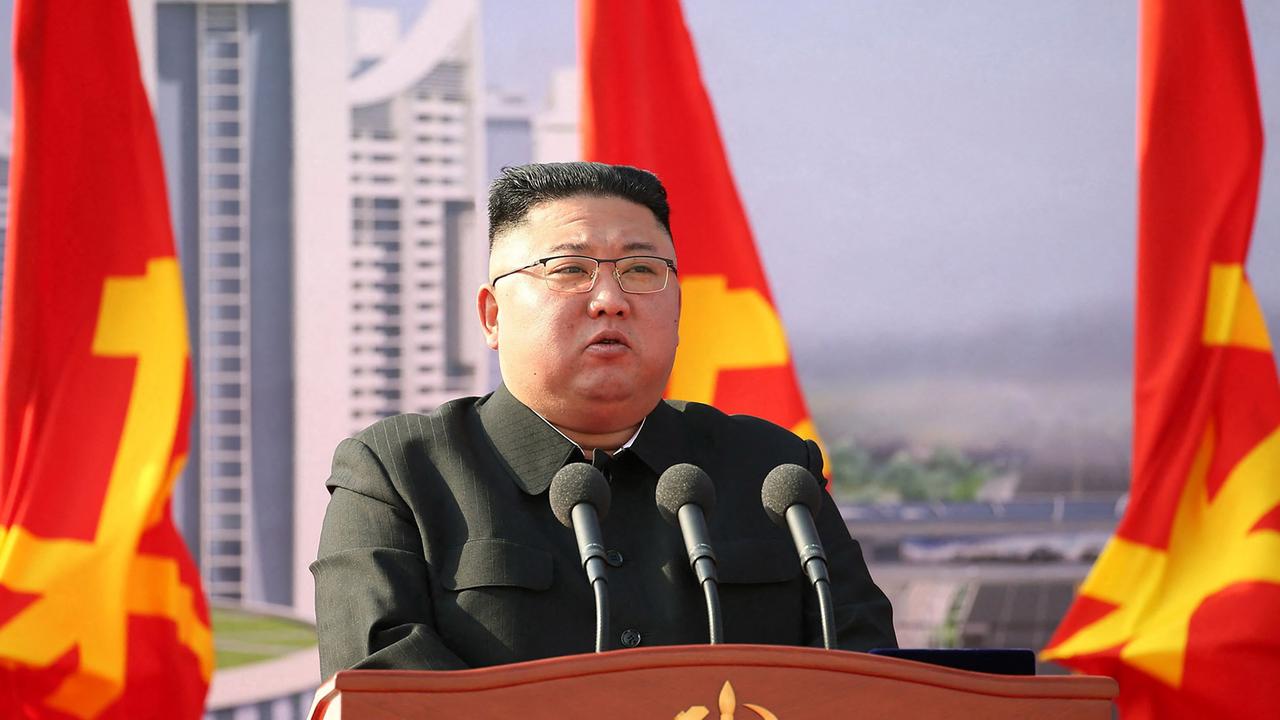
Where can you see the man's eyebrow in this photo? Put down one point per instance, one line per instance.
(576, 247)
(581, 247)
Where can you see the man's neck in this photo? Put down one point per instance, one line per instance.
(606, 442)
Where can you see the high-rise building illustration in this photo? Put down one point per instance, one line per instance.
(508, 131)
(417, 243)
(556, 133)
(330, 244)
(518, 133)
(252, 145)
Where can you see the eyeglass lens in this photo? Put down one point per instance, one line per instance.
(578, 274)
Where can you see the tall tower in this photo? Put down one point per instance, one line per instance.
(417, 242)
(240, 105)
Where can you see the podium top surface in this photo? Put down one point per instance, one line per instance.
(683, 681)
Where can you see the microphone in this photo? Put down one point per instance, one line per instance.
(579, 498)
(685, 496)
(791, 496)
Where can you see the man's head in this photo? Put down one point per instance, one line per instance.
(520, 189)
(592, 362)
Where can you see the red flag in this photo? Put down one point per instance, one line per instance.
(101, 612)
(1183, 606)
(644, 105)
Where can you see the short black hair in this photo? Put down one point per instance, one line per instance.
(518, 189)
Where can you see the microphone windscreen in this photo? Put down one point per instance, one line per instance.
(578, 483)
(785, 486)
(683, 484)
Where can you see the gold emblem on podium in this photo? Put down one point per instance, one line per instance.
(728, 703)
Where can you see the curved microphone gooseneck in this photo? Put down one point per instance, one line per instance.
(685, 496)
(791, 497)
(579, 498)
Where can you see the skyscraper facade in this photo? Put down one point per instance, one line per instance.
(330, 245)
(226, 91)
(417, 243)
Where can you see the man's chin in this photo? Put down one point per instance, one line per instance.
(616, 394)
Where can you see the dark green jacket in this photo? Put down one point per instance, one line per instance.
(440, 551)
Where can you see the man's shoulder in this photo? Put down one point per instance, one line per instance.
(414, 428)
(750, 438)
(714, 419)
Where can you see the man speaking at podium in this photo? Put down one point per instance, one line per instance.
(440, 550)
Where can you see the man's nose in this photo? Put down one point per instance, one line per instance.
(607, 297)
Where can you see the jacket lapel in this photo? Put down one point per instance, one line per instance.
(534, 450)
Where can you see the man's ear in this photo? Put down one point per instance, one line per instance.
(487, 306)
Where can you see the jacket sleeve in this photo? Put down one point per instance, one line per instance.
(863, 616)
(373, 601)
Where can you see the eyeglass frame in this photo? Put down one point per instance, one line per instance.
(671, 267)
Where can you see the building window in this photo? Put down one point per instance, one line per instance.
(226, 547)
(222, 102)
(227, 442)
(224, 128)
(225, 285)
(227, 495)
(223, 181)
(222, 573)
(226, 260)
(227, 312)
(228, 469)
(229, 233)
(222, 76)
(224, 521)
(222, 49)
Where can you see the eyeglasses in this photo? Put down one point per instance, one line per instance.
(636, 274)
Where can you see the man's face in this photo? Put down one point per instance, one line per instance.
(593, 362)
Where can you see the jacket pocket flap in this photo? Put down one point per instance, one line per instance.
(489, 562)
(756, 561)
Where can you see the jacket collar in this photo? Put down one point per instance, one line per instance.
(534, 450)
(664, 440)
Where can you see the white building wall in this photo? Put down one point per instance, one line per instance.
(417, 255)
(557, 136)
(322, 272)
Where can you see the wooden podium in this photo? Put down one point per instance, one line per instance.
(745, 682)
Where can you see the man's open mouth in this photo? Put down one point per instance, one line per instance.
(609, 338)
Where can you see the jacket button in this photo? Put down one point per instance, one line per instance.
(630, 638)
(614, 558)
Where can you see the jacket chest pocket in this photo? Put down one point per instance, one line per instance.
(752, 562)
(497, 604)
(493, 562)
(760, 592)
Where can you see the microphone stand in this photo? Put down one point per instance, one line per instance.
(693, 526)
(809, 546)
(586, 525)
